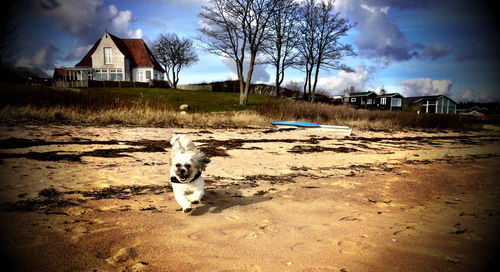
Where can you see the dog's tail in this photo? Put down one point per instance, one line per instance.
(182, 143)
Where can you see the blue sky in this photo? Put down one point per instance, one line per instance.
(422, 47)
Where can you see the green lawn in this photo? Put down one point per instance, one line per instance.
(199, 101)
(95, 98)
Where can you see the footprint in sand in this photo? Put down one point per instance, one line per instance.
(265, 225)
(122, 256)
(75, 211)
(126, 257)
(140, 267)
(77, 231)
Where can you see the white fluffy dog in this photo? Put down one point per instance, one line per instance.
(185, 172)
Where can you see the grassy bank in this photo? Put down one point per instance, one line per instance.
(125, 106)
(114, 98)
(159, 108)
(282, 109)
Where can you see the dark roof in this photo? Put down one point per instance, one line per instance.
(390, 95)
(135, 50)
(361, 94)
(417, 99)
(87, 59)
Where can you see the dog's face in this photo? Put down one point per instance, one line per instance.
(186, 165)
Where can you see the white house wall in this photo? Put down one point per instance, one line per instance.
(155, 74)
(117, 58)
(137, 70)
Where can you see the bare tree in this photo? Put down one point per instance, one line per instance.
(281, 44)
(236, 29)
(174, 54)
(9, 46)
(321, 28)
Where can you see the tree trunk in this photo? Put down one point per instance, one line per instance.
(315, 82)
(277, 83)
(277, 80)
(176, 78)
(239, 68)
(244, 97)
(174, 81)
(309, 86)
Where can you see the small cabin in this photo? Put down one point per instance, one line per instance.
(389, 101)
(431, 104)
(363, 100)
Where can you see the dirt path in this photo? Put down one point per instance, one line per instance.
(84, 199)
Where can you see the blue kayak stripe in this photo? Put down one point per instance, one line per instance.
(295, 123)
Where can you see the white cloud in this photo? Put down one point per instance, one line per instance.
(359, 79)
(488, 97)
(478, 96)
(425, 86)
(466, 96)
(260, 75)
(43, 58)
(113, 10)
(79, 52)
(435, 51)
(87, 20)
(336, 84)
(380, 37)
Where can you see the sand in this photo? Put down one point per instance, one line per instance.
(98, 199)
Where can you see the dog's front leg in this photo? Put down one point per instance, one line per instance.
(196, 197)
(183, 201)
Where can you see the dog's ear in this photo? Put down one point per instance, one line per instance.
(201, 160)
(176, 146)
(182, 143)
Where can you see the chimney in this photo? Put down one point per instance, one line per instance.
(382, 91)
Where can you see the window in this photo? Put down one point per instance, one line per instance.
(101, 74)
(383, 101)
(353, 99)
(369, 101)
(148, 75)
(429, 107)
(140, 75)
(396, 102)
(452, 109)
(115, 74)
(108, 56)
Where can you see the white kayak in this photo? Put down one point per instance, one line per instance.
(313, 126)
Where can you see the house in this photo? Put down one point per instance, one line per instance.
(365, 100)
(431, 104)
(115, 59)
(480, 110)
(475, 111)
(370, 100)
(389, 101)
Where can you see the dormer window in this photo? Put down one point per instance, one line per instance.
(107, 55)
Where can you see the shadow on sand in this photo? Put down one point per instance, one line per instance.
(218, 200)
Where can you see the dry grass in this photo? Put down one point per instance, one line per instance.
(157, 108)
(130, 116)
(280, 109)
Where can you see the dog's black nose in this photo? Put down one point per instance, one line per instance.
(182, 171)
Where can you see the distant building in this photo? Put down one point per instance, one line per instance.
(389, 101)
(115, 59)
(364, 100)
(480, 110)
(431, 104)
(370, 100)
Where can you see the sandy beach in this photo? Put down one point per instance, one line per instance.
(99, 199)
